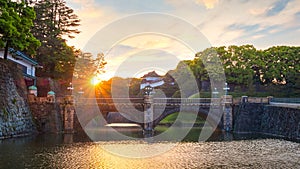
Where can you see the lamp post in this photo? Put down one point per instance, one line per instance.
(215, 93)
(70, 88)
(69, 98)
(226, 88)
(80, 94)
(227, 110)
(148, 111)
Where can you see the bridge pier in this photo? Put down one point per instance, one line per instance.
(227, 112)
(148, 114)
(68, 115)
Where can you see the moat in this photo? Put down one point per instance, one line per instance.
(220, 151)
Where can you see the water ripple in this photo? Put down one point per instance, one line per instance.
(265, 153)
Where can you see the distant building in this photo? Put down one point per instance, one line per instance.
(25, 63)
(152, 79)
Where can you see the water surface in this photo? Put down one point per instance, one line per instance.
(76, 151)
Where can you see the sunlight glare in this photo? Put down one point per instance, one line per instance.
(95, 81)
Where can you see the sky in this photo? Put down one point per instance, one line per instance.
(133, 33)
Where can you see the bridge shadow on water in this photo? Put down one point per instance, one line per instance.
(121, 133)
(132, 133)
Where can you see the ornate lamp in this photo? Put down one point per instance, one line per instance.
(148, 89)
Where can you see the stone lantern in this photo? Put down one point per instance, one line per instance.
(51, 96)
(32, 90)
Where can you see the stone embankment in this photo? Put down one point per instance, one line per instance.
(47, 115)
(267, 119)
(15, 116)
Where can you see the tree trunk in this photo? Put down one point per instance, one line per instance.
(6, 51)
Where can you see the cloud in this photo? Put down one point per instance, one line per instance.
(298, 14)
(136, 53)
(238, 23)
(93, 17)
(247, 28)
(209, 4)
(152, 59)
(257, 11)
(235, 22)
(277, 7)
(225, 23)
(135, 6)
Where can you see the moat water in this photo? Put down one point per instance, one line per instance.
(78, 151)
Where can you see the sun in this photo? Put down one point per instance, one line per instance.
(95, 81)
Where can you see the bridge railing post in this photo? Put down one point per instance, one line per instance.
(244, 99)
(227, 112)
(269, 99)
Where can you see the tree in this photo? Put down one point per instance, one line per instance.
(280, 63)
(87, 66)
(245, 66)
(16, 21)
(239, 63)
(55, 20)
(53, 23)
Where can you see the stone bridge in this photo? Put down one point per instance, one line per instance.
(148, 111)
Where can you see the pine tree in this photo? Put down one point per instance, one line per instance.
(54, 22)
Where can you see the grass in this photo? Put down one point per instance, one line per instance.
(234, 94)
(201, 95)
(188, 118)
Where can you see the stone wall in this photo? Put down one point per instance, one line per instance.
(267, 119)
(54, 115)
(247, 117)
(281, 121)
(15, 115)
(47, 117)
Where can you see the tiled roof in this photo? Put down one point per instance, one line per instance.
(151, 74)
(21, 55)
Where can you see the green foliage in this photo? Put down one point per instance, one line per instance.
(134, 88)
(87, 66)
(210, 65)
(185, 79)
(5, 114)
(280, 63)
(55, 21)
(252, 70)
(14, 101)
(177, 94)
(16, 21)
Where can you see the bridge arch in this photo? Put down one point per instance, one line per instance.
(202, 112)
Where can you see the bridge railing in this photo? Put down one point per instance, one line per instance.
(184, 100)
(110, 100)
(155, 100)
(120, 100)
(285, 100)
(251, 100)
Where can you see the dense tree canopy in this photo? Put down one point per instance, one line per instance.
(247, 67)
(53, 23)
(16, 21)
(88, 66)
